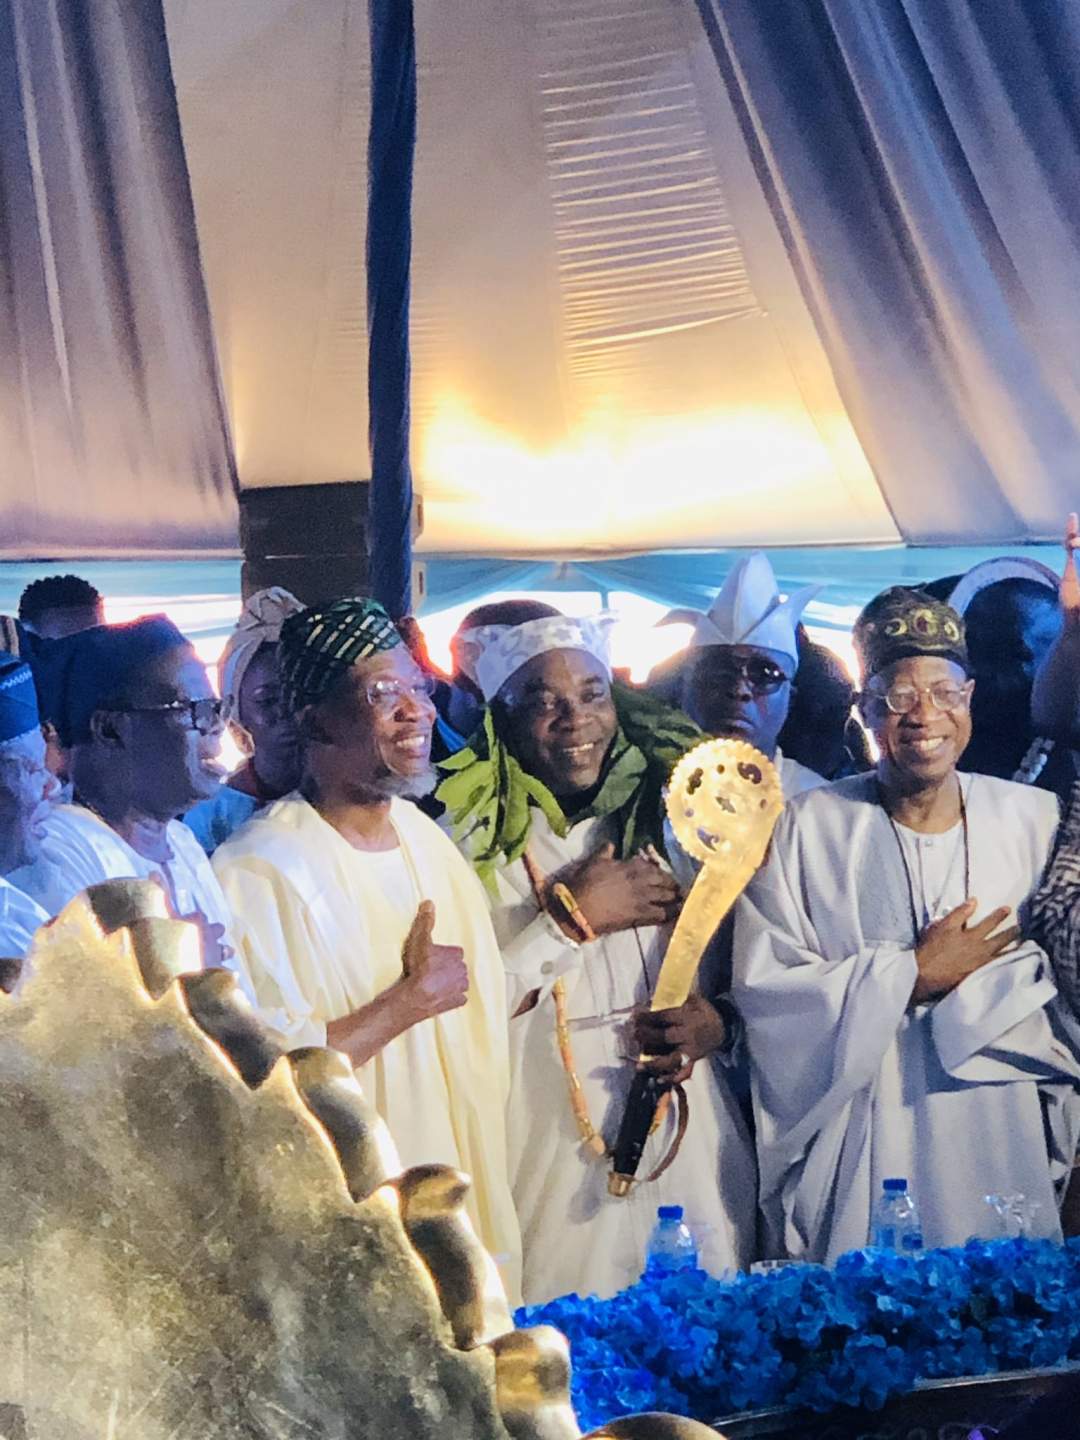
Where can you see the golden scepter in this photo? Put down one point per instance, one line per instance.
(724, 799)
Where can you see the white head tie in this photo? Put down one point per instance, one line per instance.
(749, 611)
(491, 654)
(260, 624)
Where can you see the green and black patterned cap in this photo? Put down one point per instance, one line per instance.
(320, 644)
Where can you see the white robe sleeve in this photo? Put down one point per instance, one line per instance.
(535, 951)
(817, 1024)
(536, 956)
(271, 933)
(995, 1027)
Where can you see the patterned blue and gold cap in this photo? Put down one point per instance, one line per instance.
(900, 623)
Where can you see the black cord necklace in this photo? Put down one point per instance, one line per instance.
(916, 929)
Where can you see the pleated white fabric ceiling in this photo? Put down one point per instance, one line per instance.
(610, 349)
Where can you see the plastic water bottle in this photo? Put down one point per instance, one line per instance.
(671, 1246)
(896, 1220)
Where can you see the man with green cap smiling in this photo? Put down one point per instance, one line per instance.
(898, 1024)
(363, 922)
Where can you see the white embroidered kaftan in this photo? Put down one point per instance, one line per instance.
(324, 927)
(80, 850)
(576, 1237)
(972, 1095)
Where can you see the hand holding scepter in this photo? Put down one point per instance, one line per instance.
(724, 799)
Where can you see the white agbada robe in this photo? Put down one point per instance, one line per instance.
(20, 918)
(975, 1094)
(80, 850)
(324, 927)
(576, 1237)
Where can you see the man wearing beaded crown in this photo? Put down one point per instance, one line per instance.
(898, 1024)
(558, 803)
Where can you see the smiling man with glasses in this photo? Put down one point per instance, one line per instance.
(133, 705)
(557, 802)
(344, 886)
(898, 1023)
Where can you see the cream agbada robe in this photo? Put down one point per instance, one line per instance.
(307, 897)
(576, 1237)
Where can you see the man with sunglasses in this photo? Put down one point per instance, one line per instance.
(898, 1024)
(736, 682)
(343, 886)
(738, 675)
(133, 705)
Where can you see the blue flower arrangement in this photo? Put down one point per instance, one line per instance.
(814, 1338)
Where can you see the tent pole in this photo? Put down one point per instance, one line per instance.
(391, 153)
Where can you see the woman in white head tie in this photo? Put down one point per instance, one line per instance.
(248, 683)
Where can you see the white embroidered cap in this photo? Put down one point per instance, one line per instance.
(491, 654)
(749, 610)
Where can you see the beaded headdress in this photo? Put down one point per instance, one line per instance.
(900, 623)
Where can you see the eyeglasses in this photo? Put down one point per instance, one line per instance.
(763, 676)
(205, 715)
(386, 696)
(902, 699)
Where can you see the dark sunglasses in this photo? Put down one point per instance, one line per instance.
(764, 677)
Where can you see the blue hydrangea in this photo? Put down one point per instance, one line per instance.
(809, 1337)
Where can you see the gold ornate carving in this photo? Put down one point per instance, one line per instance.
(200, 1239)
(723, 802)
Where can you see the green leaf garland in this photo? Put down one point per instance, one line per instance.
(489, 798)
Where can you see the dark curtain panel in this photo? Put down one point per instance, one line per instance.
(113, 434)
(921, 158)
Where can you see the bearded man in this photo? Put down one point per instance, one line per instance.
(898, 1025)
(343, 885)
(559, 805)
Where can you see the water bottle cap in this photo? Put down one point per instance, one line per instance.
(894, 1186)
(670, 1212)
